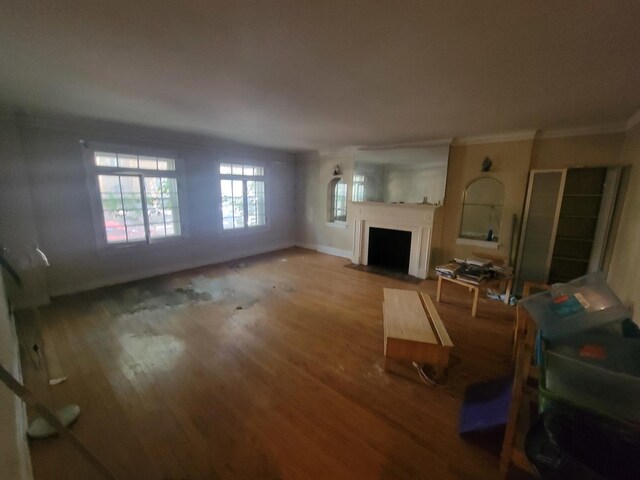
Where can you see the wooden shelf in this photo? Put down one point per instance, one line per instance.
(582, 195)
(553, 280)
(576, 239)
(583, 260)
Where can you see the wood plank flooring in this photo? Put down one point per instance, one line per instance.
(266, 368)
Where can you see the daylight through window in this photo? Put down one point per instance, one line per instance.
(243, 196)
(338, 211)
(139, 197)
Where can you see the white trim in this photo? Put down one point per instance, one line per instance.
(88, 149)
(154, 272)
(583, 131)
(420, 143)
(633, 120)
(264, 178)
(161, 136)
(478, 243)
(497, 138)
(337, 224)
(336, 252)
(420, 220)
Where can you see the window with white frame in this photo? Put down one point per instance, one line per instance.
(337, 200)
(357, 194)
(138, 196)
(242, 188)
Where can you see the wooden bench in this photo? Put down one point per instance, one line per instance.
(413, 330)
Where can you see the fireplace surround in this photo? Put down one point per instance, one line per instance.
(424, 222)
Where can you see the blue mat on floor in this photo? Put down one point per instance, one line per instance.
(485, 406)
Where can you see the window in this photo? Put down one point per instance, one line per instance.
(337, 200)
(138, 196)
(243, 196)
(357, 194)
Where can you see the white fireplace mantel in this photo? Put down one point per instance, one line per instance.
(423, 221)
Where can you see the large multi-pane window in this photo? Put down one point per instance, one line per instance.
(139, 197)
(243, 196)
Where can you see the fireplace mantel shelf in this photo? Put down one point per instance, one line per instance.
(405, 205)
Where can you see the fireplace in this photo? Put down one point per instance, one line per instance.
(389, 249)
(419, 225)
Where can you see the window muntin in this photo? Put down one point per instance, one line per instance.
(137, 162)
(242, 189)
(163, 210)
(139, 197)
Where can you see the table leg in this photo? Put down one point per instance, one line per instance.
(439, 290)
(507, 294)
(476, 295)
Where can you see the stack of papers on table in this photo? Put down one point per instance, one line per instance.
(479, 262)
(473, 274)
(448, 270)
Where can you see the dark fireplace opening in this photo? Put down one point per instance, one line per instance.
(389, 249)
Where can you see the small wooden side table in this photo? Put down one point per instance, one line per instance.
(476, 288)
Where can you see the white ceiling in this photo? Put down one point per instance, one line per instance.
(302, 74)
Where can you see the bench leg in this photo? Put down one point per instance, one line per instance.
(439, 290)
(507, 294)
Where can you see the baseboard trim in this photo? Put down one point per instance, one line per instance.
(336, 252)
(164, 271)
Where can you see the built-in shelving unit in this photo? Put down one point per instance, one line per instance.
(579, 211)
(566, 223)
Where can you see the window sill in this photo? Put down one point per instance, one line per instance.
(237, 232)
(338, 224)
(125, 248)
(478, 243)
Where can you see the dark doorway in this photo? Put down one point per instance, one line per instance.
(389, 249)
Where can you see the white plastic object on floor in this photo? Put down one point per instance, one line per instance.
(40, 428)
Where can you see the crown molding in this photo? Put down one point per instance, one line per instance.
(497, 138)
(583, 131)
(633, 120)
(100, 130)
(441, 142)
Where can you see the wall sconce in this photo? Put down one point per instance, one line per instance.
(337, 171)
(486, 164)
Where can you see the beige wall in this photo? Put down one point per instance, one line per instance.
(584, 150)
(510, 166)
(314, 172)
(624, 270)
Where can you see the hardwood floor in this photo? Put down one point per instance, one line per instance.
(270, 367)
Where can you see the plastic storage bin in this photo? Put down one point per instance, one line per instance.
(609, 385)
(579, 305)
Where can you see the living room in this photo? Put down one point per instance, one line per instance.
(187, 215)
